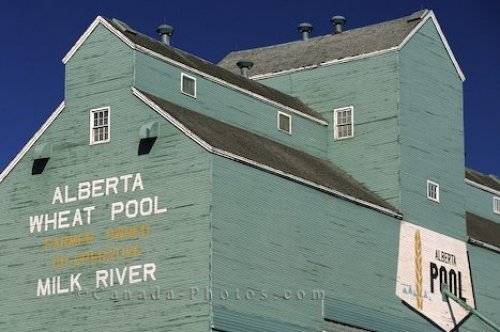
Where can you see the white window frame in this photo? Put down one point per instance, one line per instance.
(336, 125)
(92, 127)
(182, 85)
(431, 183)
(496, 204)
(289, 122)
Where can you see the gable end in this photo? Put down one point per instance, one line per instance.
(431, 16)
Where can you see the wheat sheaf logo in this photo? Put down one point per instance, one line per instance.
(418, 270)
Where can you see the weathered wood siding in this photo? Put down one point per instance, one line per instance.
(371, 86)
(104, 64)
(271, 235)
(485, 270)
(431, 134)
(239, 249)
(228, 105)
(176, 171)
(480, 202)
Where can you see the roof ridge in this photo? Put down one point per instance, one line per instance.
(128, 29)
(493, 176)
(311, 39)
(196, 63)
(350, 44)
(487, 180)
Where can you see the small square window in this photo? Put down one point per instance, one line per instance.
(188, 85)
(343, 119)
(99, 125)
(496, 204)
(284, 122)
(433, 191)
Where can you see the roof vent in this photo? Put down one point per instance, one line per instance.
(305, 29)
(244, 66)
(338, 23)
(165, 31)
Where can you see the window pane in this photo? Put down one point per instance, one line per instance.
(432, 191)
(105, 118)
(339, 118)
(343, 123)
(99, 125)
(188, 85)
(347, 117)
(342, 131)
(284, 122)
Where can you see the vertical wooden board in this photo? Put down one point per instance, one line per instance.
(431, 134)
(227, 105)
(480, 202)
(272, 235)
(371, 86)
(175, 176)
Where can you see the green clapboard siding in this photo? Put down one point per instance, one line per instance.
(370, 85)
(272, 236)
(176, 172)
(480, 202)
(228, 105)
(236, 248)
(225, 320)
(485, 271)
(103, 64)
(431, 134)
(368, 318)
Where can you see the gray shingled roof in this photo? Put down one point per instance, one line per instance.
(482, 229)
(213, 70)
(490, 181)
(267, 152)
(321, 49)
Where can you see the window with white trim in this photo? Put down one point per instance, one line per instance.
(99, 125)
(188, 85)
(433, 191)
(284, 122)
(496, 204)
(343, 121)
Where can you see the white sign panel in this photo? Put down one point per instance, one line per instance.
(426, 260)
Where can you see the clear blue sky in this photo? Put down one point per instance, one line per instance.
(37, 34)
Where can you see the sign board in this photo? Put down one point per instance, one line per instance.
(78, 240)
(426, 260)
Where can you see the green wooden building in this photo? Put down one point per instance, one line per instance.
(321, 186)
